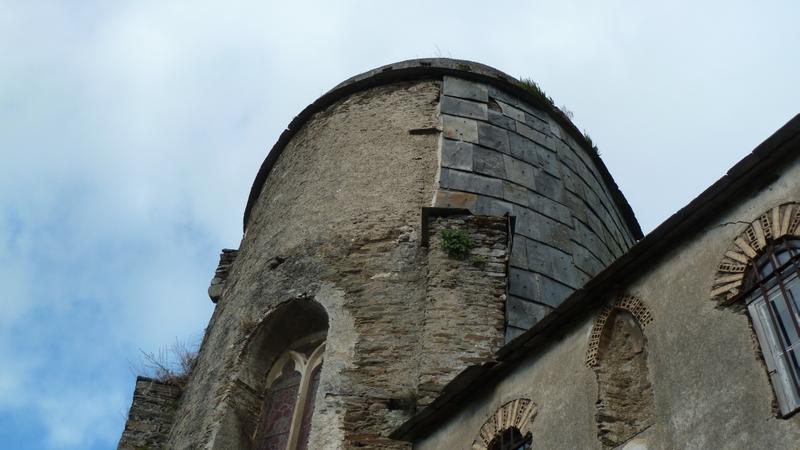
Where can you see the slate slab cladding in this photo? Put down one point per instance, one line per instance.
(512, 158)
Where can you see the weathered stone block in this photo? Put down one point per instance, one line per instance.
(463, 108)
(457, 87)
(524, 313)
(493, 207)
(460, 129)
(522, 148)
(488, 162)
(519, 253)
(519, 172)
(554, 263)
(512, 112)
(520, 283)
(536, 226)
(493, 137)
(548, 291)
(536, 136)
(463, 181)
(537, 123)
(549, 186)
(515, 193)
(496, 118)
(549, 208)
(457, 155)
(585, 260)
(452, 199)
(548, 161)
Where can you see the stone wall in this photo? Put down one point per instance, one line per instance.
(465, 302)
(151, 415)
(341, 212)
(500, 155)
(334, 221)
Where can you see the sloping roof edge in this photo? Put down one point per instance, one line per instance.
(425, 69)
(750, 174)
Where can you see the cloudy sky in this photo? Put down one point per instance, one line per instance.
(131, 131)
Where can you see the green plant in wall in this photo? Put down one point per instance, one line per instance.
(456, 243)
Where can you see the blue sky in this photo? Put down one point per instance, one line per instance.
(131, 131)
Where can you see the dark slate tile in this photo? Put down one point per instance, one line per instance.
(459, 128)
(554, 263)
(457, 155)
(550, 292)
(519, 172)
(493, 207)
(515, 193)
(457, 87)
(470, 182)
(520, 283)
(463, 108)
(519, 253)
(488, 162)
(496, 118)
(493, 137)
(523, 314)
(549, 208)
(512, 112)
(585, 260)
(536, 136)
(549, 186)
(537, 123)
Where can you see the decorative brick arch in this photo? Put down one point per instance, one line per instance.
(628, 303)
(780, 221)
(517, 413)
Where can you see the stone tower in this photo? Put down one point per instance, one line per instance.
(341, 313)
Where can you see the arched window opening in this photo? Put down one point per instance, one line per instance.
(625, 395)
(273, 396)
(772, 296)
(511, 439)
(289, 397)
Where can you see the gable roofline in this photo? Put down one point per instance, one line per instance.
(436, 68)
(751, 174)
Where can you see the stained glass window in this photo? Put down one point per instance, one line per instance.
(289, 399)
(308, 409)
(280, 402)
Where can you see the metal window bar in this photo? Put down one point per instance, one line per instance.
(511, 439)
(764, 285)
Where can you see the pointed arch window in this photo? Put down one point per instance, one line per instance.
(772, 296)
(291, 388)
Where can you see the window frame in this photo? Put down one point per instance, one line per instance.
(305, 365)
(764, 290)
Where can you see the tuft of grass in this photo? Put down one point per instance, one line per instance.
(170, 365)
(456, 243)
(589, 141)
(534, 88)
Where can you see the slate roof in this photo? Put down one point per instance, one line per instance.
(753, 173)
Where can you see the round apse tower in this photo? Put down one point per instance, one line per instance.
(342, 315)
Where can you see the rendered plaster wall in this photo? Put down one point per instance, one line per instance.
(710, 387)
(500, 155)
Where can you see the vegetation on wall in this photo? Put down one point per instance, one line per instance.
(456, 243)
(533, 88)
(170, 365)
